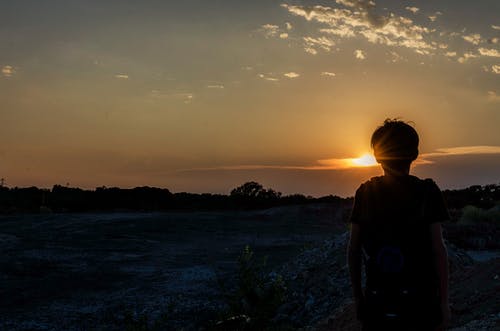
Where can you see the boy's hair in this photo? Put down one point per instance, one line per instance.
(395, 142)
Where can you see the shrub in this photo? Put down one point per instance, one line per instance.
(256, 299)
(473, 215)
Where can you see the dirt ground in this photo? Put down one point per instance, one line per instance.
(85, 271)
(474, 297)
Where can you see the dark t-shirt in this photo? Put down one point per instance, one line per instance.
(394, 215)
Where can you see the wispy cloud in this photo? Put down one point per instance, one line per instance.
(8, 71)
(434, 16)
(493, 40)
(359, 18)
(493, 96)
(268, 78)
(395, 57)
(495, 27)
(414, 10)
(359, 54)
(324, 164)
(186, 97)
(291, 74)
(328, 74)
(456, 151)
(362, 19)
(344, 31)
(288, 26)
(466, 56)
(496, 69)
(489, 52)
(312, 44)
(121, 76)
(474, 39)
(269, 30)
(351, 163)
(216, 86)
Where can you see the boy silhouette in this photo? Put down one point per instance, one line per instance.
(396, 233)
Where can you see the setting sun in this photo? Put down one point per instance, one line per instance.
(366, 160)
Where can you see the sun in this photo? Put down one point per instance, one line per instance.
(366, 160)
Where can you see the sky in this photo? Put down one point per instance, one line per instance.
(202, 96)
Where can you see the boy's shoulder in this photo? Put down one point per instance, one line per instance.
(378, 181)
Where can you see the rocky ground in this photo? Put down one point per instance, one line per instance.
(322, 294)
(96, 272)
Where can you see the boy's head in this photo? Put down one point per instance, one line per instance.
(395, 144)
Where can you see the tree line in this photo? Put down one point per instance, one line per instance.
(250, 195)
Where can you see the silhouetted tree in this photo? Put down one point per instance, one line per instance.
(248, 190)
(254, 195)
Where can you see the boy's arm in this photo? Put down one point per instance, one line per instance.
(354, 262)
(441, 265)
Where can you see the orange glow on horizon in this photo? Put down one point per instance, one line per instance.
(366, 160)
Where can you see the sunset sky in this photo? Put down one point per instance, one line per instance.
(202, 96)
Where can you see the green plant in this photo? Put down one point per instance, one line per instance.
(473, 215)
(256, 299)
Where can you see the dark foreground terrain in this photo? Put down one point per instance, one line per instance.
(102, 271)
(89, 271)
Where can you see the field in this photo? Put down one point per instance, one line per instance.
(90, 271)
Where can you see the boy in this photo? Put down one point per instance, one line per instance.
(396, 231)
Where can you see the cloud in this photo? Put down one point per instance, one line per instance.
(434, 17)
(489, 52)
(450, 54)
(359, 18)
(496, 69)
(269, 30)
(414, 10)
(283, 35)
(288, 26)
(351, 163)
(367, 10)
(495, 27)
(493, 40)
(268, 78)
(8, 71)
(360, 55)
(186, 97)
(395, 57)
(325, 164)
(216, 86)
(121, 76)
(455, 151)
(474, 39)
(291, 74)
(328, 74)
(311, 44)
(344, 31)
(466, 56)
(493, 96)
(310, 50)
